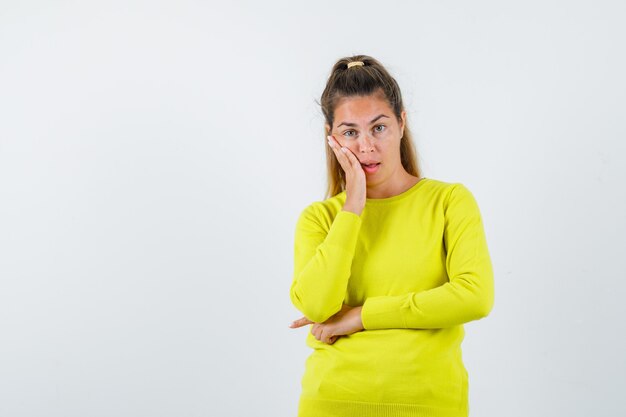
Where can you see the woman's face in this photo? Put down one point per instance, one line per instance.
(368, 127)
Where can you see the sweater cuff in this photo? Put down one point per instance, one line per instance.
(383, 312)
(344, 230)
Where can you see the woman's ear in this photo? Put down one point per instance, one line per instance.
(327, 127)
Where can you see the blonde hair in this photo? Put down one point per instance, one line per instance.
(362, 80)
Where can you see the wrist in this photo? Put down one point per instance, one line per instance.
(352, 208)
(360, 308)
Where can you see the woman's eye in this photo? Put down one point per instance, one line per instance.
(380, 130)
(348, 131)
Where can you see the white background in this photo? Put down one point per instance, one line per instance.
(154, 157)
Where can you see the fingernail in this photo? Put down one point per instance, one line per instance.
(344, 149)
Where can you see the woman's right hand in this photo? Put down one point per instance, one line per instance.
(356, 190)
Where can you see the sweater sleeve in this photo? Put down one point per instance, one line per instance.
(469, 293)
(322, 262)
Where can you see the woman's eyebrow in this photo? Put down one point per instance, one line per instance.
(354, 124)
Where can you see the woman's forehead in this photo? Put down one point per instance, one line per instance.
(361, 110)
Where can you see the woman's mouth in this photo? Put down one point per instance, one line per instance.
(370, 168)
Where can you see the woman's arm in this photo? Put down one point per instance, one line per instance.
(469, 294)
(322, 262)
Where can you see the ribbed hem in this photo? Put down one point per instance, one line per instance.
(315, 407)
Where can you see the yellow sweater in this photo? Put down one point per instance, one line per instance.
(419, 265)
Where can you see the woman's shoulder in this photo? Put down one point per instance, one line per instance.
(324, 211)
(447, 193)
(440, 184)
(329, 206)
(446, 187)
(456, 196)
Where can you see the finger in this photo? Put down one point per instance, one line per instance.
(339, 154)
(354, 161)
(320, 332)
(332, 142)
(351, 161)
(300, 322)
(317, 332)
(314, 330)
(327, 335)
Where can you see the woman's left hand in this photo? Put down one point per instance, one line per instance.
(344, 322)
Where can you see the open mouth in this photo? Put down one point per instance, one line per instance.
(370, 168)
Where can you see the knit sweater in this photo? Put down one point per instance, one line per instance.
(419, 266)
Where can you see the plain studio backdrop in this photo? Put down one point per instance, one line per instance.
(155, 155)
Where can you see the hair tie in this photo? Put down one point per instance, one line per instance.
(353, 63)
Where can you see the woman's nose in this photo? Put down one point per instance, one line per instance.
(366, 143)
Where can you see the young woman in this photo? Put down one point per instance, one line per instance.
(388, 267)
